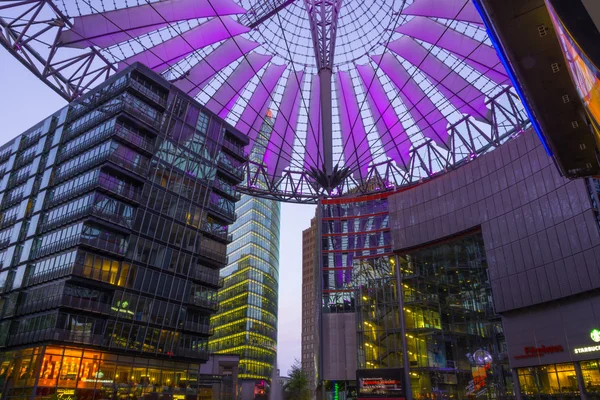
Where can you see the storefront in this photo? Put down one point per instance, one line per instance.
(554, 349)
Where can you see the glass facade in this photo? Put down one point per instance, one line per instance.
(455, 347)
(113, 231)
(246, 323)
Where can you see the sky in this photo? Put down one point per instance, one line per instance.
(25, 100)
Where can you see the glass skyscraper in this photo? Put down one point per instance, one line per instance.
(246, 323)
(114, 217)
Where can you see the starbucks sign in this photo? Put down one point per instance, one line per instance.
(595, 335)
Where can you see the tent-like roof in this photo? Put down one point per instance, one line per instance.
(365, 95)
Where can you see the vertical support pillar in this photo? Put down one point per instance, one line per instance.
(516, 384)
(325, 75)
(582, 391)
(405, 361)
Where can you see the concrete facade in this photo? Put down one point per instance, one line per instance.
(339, 338)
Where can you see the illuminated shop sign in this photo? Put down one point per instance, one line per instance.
(336, 391)
(589, 349)
(381, 383)
(595, 336)
(533, 352)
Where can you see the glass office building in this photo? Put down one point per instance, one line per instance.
(114, 217)
(246, 323)
(448, 333)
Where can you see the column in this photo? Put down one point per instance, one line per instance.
(516, 385)
(582, 392)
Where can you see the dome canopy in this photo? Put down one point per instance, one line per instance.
(362, 96)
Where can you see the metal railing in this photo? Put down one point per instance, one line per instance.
(148, 93)
(139, 168)
(226, 189)
(234, 148)
(224, 211)
(134, 138)
(118, 248)
(237, 172)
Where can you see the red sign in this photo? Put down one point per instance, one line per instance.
(532, 352)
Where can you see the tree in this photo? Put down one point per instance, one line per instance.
(297, 388)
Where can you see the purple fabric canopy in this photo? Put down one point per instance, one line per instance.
(461, 10)
(174, 50)
(392, 134)
(429, 119)
(112, 27)
(479, 56)
(200, 74)
(226, 96)
(279, 151)
(461, 93)
(253, 116)
(356, 145)
(314, 145)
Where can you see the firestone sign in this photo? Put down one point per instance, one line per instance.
(533, 352)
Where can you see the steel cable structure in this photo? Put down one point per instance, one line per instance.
(366, 96)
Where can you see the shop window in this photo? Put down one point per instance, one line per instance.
(591, 375)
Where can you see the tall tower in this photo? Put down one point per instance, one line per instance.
(309, 292)
(246, 323)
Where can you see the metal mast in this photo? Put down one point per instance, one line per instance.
(323, 17)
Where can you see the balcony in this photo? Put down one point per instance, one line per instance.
(234, 149)
(218, 234)
(24, 159)
(16, 180)
(98, 99)
(8, 221)
(140, 115)
(81, 147)
(84, 304)
(206, 275)
(237, 173)
(113, 247)
(89, 210)
(213, 255)
(223, 211)
(123, 190)
(29, 140)
(5, 155)
(4, 243)
(149, 94)
(118, 248)
(107, 113)
(133, 138)
(196, 327)
(140, 168)
(226, 190)
(206, 303)
(8, 202)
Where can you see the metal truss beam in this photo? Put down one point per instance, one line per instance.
(37, 24)
(262, 11)
(467, 140)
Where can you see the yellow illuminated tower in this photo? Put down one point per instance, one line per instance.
(246, 323)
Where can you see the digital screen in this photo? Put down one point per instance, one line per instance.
(584, 73)
(381, 383)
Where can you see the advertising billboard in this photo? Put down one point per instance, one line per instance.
(381, 384)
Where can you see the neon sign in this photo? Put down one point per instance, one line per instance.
(532, 352)
(336, 391)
